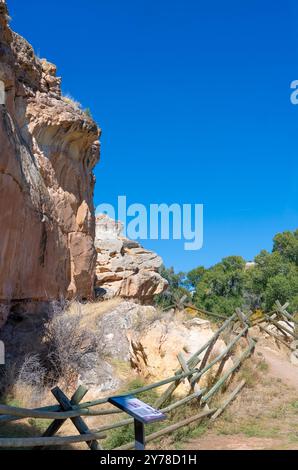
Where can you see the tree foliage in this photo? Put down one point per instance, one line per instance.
(232, 283)
(220, 288)
(176, 289)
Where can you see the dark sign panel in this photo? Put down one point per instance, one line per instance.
(137, 408)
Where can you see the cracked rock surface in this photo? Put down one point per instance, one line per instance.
(48, 149)
(124, 268)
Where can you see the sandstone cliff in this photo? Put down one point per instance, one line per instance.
(48, 148)
(124, 268)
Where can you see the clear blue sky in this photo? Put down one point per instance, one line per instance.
(193, 98)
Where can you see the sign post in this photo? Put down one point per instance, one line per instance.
(142, 414)
(139, 435)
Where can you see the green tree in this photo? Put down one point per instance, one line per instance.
(175, 291)
(230, 284)
(274, 276)
(282, 288)
(286, 244)
(193, 277)
(220, 288)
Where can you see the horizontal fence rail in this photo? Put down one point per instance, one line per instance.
(239, 345)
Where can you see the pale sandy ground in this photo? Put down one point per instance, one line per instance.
(269, 410)
(280, 367)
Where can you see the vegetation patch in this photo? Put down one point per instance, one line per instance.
(232, 283)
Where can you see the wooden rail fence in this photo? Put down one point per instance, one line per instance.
(279, 324)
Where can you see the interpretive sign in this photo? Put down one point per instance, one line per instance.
(142, 414)
(137, 408)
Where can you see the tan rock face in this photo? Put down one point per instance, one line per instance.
(48, 148)
(155, 352)
(124, 268)
(150, 341)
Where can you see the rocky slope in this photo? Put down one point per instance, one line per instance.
(48, 148)
(149, 340)
(104, 345)
(124, 268)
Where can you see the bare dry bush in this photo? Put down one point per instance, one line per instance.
(32, 372)
(29, 387)
(67, 343)
(8, 377)
(24, 383)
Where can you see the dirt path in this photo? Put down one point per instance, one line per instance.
(265, 416)
(279, 366)
(235, 442)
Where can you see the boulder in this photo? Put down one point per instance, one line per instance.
(124, 268)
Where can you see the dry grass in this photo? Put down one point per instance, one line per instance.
(26, 396)
(67, 342)
(62, 342)
(263, 415)
(72, 102)
(265, 409)
(90, 312)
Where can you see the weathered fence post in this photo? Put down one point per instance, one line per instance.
(57, 423)
(79, 423)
